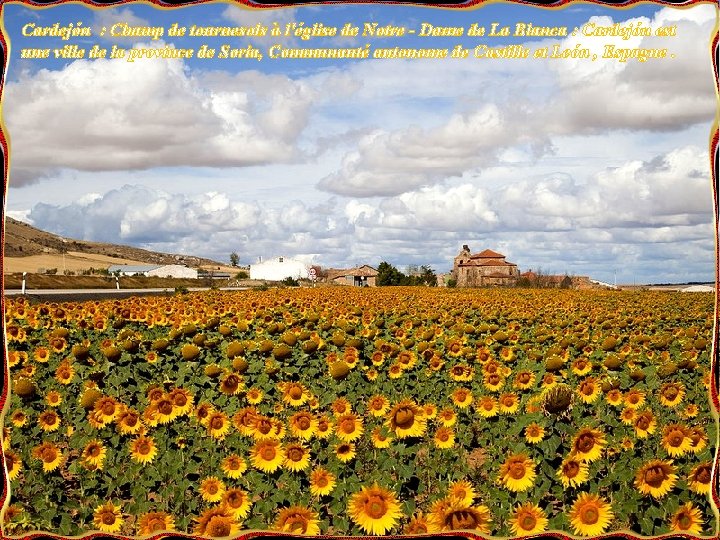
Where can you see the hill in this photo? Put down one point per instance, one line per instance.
(29, 249)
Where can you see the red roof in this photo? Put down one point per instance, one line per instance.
(487, 254)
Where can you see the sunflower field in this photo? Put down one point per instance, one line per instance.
(346, 411)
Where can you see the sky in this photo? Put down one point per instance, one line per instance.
(568, 166)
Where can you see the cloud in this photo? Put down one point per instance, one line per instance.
(572, 97)
(115, 115)
(388, 163)
(207, 224)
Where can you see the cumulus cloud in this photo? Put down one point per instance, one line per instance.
(588, 97)
(388, 163)
(115, 115)
(206, 224)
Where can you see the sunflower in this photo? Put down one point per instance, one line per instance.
(628, 416)
(324, 427)
(303, 424)
(528, 519)
(265, 427)
(108, 518)
(644, 424)
(627, 443)
(293, 393)
(41, 354)
(406, 359)
(444, 437)
(671, 394)
(407, 419)
(297, 457)
(614, 397)
(418, 524)
(143, 449)
(53, 398)
(573, 472)
(345, 451)
(349, 427)
(49, 421)
(430, 410)
(656, 478)
(244, 420)
(254, 396)
(152, 522)
(634, 398)
(154, 393)
(165, 410)
(581, 366)
(452, 515)
(267, 455)
(231, 384)
(463, 491)
(461, 373)
(13, 464)
(341, 406)
(676, 440)
(94, 454)
(298, 520)
(517, 473)
(237, 502)
(19, 418)
(218, 425)
(534, 433)
(508, 403)
(233, 466)
(687, 519)
(182, 401)
(524, 379)
(590, 515)
(371, 374)
(216, 522)
(587, 444)
(128, 422)
(462, 398)
(435, 363)
(549, 380)
(589, 390)
(487, 406)
(106, 408)
(698, 438)
(700, 477)
(395, 371)
(374, 509)
(447, 417)
(322, 482)
(690, 411)
(381, 437)
(493, 381)
(378, 405)
(212, 489)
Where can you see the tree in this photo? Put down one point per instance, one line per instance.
(234, 259)
(389, 275)
(428, 276)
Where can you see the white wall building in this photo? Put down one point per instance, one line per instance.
(165, 270)
(279, 268)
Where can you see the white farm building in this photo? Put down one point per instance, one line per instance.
(165, 270)
(279, 268)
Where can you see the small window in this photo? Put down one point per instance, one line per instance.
(280, 259)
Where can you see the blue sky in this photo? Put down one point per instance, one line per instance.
(591, 168)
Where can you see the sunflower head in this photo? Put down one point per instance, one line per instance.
(557, 400)
(590, 515)
(298, 520)
(374, 509)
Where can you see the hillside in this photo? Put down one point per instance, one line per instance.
(28, 249)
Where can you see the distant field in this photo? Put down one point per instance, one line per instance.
(73, 261)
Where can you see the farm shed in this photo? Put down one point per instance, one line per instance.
(279, 268)
(359, 277)
(165, 270)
